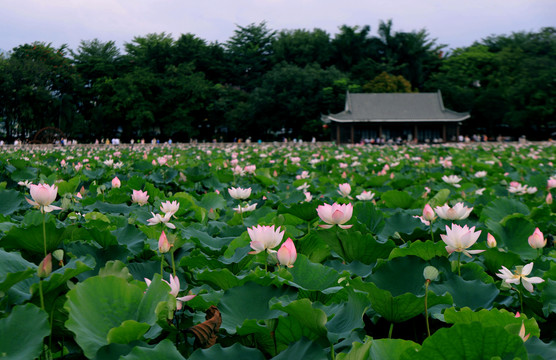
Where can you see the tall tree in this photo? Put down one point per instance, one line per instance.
(302, 47)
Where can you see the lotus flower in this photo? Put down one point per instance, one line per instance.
(365, 196)
(171, 208)
(344, 190)
(43, 195)
(520, 273)
(491, 241)
(239, 193)
(537, 240)
(335, 214)
(241, 209)
(458, 212)
(264, 238)
(452, 179)
(460, 238)
(140, 197)
(163, 244)
(116, 183)
(174, 290)
(157, 219)
(287, 254)
(428, 213)
(551, 183)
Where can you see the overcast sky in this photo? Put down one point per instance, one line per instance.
(455, 23)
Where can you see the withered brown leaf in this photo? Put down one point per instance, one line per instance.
(205, 332)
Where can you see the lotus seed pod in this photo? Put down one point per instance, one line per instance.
(58, 254)
(430, 273)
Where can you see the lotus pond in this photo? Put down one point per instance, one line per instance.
(278, 252)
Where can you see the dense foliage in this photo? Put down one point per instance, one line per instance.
(268, 84)
(90, 267)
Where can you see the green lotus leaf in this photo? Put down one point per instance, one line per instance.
(110, 208)
(236, 351)
(131, 237)
(353, 245)
(367, 214)
(513, 235)
(502, 207)
(348, 315)
(219, 278)
(13, 269)
(60, 276)
(494, 317)
(440, 198)
(425, 250)
(69, 186)
(306, 210)
(473, 293)
(548, 297)
(250, 301)
(129, 331)
(538, 350)
(383, 349)
(312, 246)
(397, 199)
(401, 223)
(23, 331)
(102, 303)
(303, 349)
(310, 318)
(469, 341)
(213, 200)
(311, 276)
(12, 201)
(31, 238)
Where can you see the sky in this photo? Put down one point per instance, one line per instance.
(453, 23)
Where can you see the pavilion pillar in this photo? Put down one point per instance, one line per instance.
(415, 134)
(444, 132)
(379, 130)
(338, 134)
(352, 134)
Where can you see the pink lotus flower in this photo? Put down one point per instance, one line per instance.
(264, 238)
(491, 241)
(168, 207)
(460, 238)
(239, 193)
(537, 240)
(458, 212)
(551, 183)
(452, 179)
(116, 183)
(158, 219)
(140, 197)
(520, 274)
(344, 190)
(365, 195)
(250, 169)
(287, 254)
(43, 195)
(163, 244)
(428, 213)
(242, 209)
(335, 214)
(549, 199)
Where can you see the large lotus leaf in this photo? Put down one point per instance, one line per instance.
(367, 214)
(313, 247)
(13, 269)
(398, 308)
(128, 331)
(469, 341)
(348, 315)
(11, 201)
(379, 349)
(306, 210)
(69, 186)
(440, 198)
(310, 276)
(513, 235)
(94, 174)
(353, 245)
(23, 331)
(494, 317)
(401, 223)
(99, 304)
(538, 350)
(548, 297)
(400, 275)
(131, 237)
(236, 351)
(107, 208)
(28, 173)
(397, 199)
(502, 207)
(303, 349)
(310, 318)
(218, 279)
(425, 250)
(164, 350)
(494, 259)
(31, 238)
(250, 301)
(213, 200)
(201, 238)
(473, 293)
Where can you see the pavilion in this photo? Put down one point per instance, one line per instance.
(411, 117)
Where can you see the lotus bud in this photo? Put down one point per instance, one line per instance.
(428, 213)
(163, 244)
(430, 273)
(116, 183)
(537, 240)
(491, 241)
(549, 199)
(45, 267)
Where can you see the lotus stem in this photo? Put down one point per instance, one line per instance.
(342, 247)
(44, 231)
(162, 265)
(427, 282)
(432, 232)
(520, 300)
(173, 263)
(41, 294)
(332, 352)
(459, 263)
(391, 330)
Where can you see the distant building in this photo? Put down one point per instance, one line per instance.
(412, 117)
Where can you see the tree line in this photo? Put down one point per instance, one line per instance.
(268, 84)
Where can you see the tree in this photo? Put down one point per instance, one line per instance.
(302, 47)
(351, 46)
(250, 52)
(386, 83)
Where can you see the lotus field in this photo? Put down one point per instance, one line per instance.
(303, 251)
